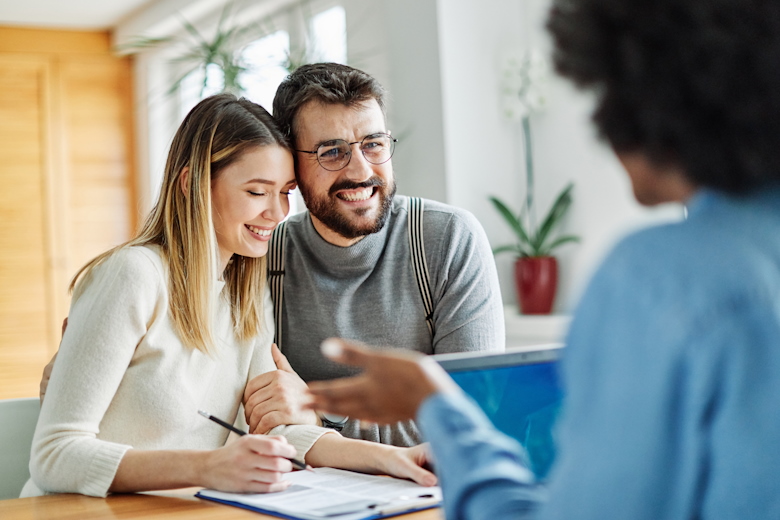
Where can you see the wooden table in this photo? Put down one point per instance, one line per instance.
(180, 504)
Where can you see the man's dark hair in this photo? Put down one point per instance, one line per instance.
(692, 83)
(329, 83)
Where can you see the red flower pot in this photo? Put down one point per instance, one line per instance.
(536, 280)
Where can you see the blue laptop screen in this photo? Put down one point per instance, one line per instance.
(522, 401)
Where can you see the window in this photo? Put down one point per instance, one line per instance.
(192, 88)
(329, 34)
(266, 61)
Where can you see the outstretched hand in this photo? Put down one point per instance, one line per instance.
(277, 397)
(391, 387)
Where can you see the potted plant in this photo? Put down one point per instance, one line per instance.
(221, 50)
(536, 270)
(523, 93)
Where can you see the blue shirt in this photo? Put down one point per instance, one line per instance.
(672, 376)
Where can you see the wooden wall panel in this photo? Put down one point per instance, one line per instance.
(97, 113)
(24, 306)
(67, 175)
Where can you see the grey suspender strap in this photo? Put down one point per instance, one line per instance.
(416, 245)
(276, 276)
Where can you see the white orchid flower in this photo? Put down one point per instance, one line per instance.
(524, 79)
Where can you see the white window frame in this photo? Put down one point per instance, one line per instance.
(157, 113)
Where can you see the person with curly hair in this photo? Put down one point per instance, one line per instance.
(672, 364)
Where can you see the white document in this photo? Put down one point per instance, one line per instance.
(336, 494)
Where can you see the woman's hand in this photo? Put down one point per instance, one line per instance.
(251, 464)
(410, 463)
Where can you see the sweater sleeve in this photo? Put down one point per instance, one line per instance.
(468, 311)
(301, 436)
(107, 319)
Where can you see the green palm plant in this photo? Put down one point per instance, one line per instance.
(201, 52)
(536, 241)
(222, 49)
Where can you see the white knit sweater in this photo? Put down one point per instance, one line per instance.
(123, 379)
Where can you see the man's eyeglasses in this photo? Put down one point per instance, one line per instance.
(335, 154)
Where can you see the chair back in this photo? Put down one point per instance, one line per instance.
(18, 418)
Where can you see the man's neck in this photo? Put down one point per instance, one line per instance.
(331, 236)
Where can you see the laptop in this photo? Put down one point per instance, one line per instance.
(520, 392)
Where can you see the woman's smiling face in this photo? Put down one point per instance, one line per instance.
(248, 200)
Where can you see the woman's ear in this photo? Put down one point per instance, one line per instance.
(184, 179)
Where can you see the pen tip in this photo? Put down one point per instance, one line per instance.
(204, 414)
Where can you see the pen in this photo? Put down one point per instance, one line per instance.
(295, 462)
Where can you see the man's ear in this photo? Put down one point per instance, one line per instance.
(184, 179)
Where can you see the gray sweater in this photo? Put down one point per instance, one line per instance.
(367, 292)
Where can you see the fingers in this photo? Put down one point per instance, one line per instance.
(256, 383)
(285, 393)
(422, 476)
(281, 360)
(347, 396)
(347, 353)
(338, 389)
(409, 462)
(253, 463)
(274, 448)
(269, 421)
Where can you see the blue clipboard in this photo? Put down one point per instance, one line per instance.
(370, 515)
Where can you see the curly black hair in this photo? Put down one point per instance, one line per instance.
(694, 83)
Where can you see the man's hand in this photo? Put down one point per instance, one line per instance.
(391, 388)
(47, 369)
(276, 398)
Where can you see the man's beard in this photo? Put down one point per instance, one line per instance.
(343, 222)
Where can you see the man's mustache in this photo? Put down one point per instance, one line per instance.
(351, 185)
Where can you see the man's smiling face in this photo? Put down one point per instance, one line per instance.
(354, 201)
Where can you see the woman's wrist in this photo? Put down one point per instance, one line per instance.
(381, 455)
(333, 450)
(199, 467)
(145, 470)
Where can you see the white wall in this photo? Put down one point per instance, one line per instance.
(397, 43)
(481, 153)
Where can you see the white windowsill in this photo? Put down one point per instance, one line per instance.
(523, 330)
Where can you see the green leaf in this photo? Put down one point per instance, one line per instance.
(509, 248)
(193, 31)
(513, 221)
(558, 210)
(141, 43)
(547, 251)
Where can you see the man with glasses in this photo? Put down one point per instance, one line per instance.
(344, 268)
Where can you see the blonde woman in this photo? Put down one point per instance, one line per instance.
(178, 319)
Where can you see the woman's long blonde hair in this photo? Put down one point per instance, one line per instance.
(213, 135)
